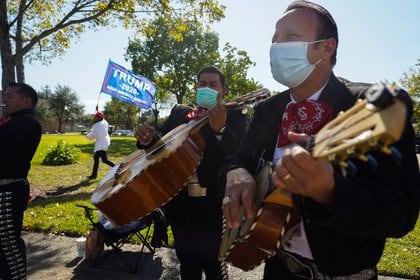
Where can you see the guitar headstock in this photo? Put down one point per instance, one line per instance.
(373, 123)
(249, 98)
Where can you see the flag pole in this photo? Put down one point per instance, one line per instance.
(97, 103)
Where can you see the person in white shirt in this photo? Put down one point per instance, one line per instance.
(99, 132)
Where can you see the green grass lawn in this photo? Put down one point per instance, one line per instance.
(66, 186)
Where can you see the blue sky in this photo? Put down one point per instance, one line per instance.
(378, 41)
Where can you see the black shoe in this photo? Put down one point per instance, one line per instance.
(92, 177)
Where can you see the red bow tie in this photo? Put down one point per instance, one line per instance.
(306, 116)
(197, 113)
(4, 120)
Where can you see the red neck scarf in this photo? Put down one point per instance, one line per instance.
(4, 120)
(197, 113)
(306, 116)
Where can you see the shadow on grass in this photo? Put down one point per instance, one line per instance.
(43, 201)
(59, 195)
(68, 189)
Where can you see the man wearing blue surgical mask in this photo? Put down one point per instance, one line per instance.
(195, 213)
(342, 221)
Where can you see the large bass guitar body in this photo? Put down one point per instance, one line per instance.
(147, 179)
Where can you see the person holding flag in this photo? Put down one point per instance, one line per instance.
(99, 132)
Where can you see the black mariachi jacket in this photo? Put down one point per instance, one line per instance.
(19, 139)
(368, 208)
(204, 211)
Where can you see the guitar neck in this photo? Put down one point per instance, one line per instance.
(248, 98)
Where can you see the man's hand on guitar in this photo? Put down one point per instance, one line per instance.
(144, 134)
(298, 172)
(239, 196)
(217, 117)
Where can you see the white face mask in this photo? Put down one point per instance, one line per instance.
(289, 62)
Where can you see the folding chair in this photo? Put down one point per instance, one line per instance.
(118, 236)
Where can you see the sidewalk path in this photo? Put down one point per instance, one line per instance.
(54, 257)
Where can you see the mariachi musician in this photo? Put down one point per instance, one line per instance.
(344, 220)
(195, 213)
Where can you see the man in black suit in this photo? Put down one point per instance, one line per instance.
(344, 220)
(20, 134)
(195, 213)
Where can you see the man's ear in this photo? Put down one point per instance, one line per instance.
(27, 101)
(221, 95)
(225, 91)
(330, 47)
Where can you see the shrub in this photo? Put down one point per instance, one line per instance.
(61, 154)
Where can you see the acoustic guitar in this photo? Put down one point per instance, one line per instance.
(147, 179)
(373, 123)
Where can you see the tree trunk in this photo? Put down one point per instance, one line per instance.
(179, 97)
(7, 62)
(60, 123)
(155, 113)
(20, 69)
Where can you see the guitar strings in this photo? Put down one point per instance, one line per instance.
(240, 101)
(344, 125)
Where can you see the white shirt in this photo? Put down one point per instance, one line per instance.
(295, 240)
(99, 132)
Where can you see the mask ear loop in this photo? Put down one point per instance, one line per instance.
(315, 42)
(316, 63)
(223, 93)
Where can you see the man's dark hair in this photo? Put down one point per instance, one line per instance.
(26, 90)
(328, 27)
(212, 69)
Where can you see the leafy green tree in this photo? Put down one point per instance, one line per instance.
(235, 64)
(43, 110)
(411, 82)
(121, 114)
(173, 62)
(170, 61)
(42, 30)
(65, 106)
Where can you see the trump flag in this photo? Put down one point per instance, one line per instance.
(128, 87)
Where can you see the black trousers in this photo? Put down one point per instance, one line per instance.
(274, 269)
(197, 250)
(13, 202)
(103, 156)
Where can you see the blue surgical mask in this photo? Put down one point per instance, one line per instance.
(289, 62)
(206, 97)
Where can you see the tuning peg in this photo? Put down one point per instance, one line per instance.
(348, 168)
(396, 155)
(363, 157)
(342, 163)
(373, 163)
(393, 152)
(385, 150)
(381, 94)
